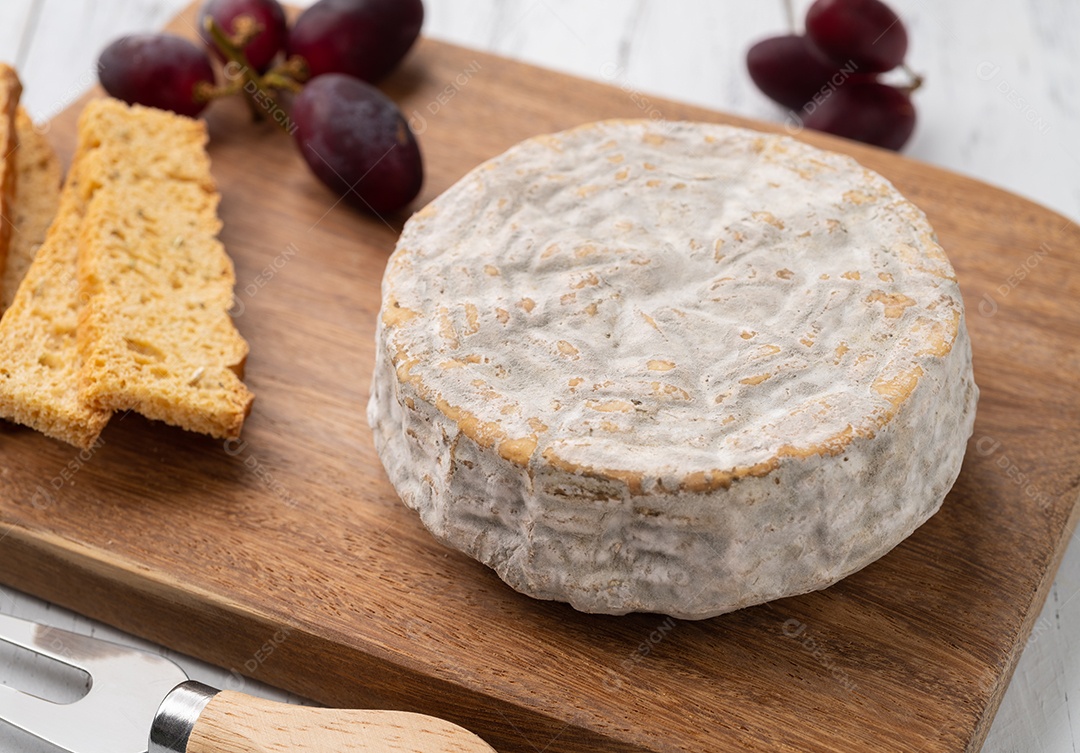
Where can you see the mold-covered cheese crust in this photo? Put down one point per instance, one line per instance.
(671, 367)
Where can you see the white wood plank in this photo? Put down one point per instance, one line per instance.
(69, 36)
(694, 50)
(14, 20)
(1041, 708)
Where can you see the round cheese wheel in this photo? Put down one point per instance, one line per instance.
(671, 367)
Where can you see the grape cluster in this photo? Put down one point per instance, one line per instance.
(351, 135)
(829, 76)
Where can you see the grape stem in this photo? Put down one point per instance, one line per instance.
(289, 75)
(789, 13)
(286, 76)
(246, 29)
(916, 79)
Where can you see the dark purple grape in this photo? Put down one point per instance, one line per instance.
(864, 32)
(789, 71)
(357, 142)
(360, 38)
(268, 14)
(157, 70)
(869, 112)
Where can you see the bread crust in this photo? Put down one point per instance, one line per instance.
(10, 91)
(36, 201)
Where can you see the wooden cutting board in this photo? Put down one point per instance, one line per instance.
(287, 557)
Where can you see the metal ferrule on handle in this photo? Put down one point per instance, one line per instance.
(176, 717)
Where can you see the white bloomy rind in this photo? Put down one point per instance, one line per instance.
(671, 367)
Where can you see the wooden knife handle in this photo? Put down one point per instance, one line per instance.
(232, 722)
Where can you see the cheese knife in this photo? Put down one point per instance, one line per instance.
(146, 704)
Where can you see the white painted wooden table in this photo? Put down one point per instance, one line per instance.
(1001, 103)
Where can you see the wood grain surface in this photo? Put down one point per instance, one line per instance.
(288, 558)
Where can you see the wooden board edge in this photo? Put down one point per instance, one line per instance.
(1035, 608)
(164, 612)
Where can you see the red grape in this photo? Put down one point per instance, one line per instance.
(789, 71)
(360, 38)
(268, 14)
(865, 111)
(157, 70)
(356, 141)
(865, 32)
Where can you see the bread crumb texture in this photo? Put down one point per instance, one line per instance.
(38, 353)
(125, 306)
(154, 333)
(37, 199)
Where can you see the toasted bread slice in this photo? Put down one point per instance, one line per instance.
(39, 357)
(10, 91)
(36, 202)
(154, 334)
